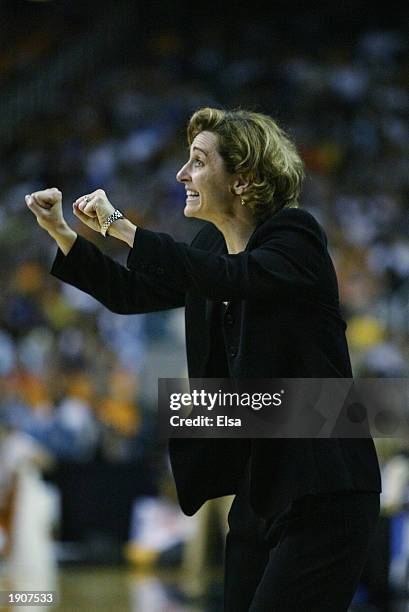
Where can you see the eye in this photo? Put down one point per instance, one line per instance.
(198, 162)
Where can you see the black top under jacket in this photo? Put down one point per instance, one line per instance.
(282, 321)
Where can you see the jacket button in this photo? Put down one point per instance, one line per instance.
(229, 318)
(232, 351)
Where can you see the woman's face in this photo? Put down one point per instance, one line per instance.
(207, 182)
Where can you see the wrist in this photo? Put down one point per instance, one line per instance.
(64, 236)
(124, 230)
(60, 230)
(114, 216)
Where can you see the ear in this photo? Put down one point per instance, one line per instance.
(240, 184)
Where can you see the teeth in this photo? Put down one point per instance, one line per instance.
(191, 193)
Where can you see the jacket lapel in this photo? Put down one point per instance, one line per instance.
(219, 248)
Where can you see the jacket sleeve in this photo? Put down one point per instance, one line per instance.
(121, 290)
(289, 256)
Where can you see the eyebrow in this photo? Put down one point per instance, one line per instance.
(201, 150)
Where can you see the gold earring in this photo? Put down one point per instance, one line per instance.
(243, 203)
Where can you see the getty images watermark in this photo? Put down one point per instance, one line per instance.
(284, 408)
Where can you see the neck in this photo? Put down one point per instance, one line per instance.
(237, 231)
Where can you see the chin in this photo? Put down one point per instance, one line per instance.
(190, 211)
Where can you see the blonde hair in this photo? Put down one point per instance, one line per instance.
(253, 145)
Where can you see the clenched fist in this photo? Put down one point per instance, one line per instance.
(93, 209)
(46, 205)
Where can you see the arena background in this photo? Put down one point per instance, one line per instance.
(98, 94)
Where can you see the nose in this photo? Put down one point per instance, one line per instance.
(183, 176)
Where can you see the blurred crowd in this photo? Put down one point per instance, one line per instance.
(80, 381)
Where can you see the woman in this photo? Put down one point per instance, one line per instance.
(261, 301)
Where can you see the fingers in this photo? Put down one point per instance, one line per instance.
(82, 200)
(87, 203)
(34, 206)
(46, 198)
(80, 214)
(91, 222)
(86, 206)
(41, 203)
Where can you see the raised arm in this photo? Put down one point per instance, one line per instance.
(287, 253)
(121, 290)
(81, 264)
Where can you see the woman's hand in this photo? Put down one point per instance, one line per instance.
(93, 209)
(46, 205)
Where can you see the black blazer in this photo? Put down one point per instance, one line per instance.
(283, 321)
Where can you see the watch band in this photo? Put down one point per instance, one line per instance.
(112, 217)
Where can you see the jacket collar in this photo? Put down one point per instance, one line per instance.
(220, 247)
(253, 236)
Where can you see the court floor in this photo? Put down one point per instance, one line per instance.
(125, 590)
(115, 589)
(122, 589)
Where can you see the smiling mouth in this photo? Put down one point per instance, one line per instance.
(192, 195)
